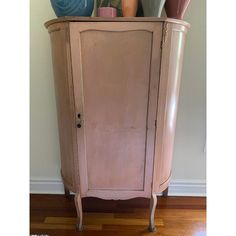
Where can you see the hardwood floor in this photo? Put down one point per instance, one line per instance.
(175, 216)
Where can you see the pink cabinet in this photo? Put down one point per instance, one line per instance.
(117, 85)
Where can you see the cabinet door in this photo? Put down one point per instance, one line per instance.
(115, 73)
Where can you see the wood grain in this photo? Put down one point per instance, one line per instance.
(56, 215)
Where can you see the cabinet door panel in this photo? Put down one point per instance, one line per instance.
(116, 84)
(115, 71)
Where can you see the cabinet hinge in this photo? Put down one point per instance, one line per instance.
(165, 32)
(155, 123)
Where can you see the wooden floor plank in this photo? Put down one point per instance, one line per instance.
(64, 226)
(175, 216)
(101, 221)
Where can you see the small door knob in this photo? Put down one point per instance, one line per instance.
(79, 125)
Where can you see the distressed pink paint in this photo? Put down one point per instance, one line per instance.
(117, 86)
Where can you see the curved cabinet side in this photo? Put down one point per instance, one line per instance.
(65, 103)
(171, 67)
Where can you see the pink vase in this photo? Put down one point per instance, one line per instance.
(176, 8)
(106, 12)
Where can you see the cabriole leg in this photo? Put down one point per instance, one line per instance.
(66, 191)
(78, 205)
(165, 192)
(153, 205)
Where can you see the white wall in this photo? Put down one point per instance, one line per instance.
(189, 168)
(189, 156)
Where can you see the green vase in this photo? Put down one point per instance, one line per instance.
(153, 7)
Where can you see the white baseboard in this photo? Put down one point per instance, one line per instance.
(176, 188)
(46, 186)
(195, 188)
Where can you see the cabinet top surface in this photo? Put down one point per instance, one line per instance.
(115, 19)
